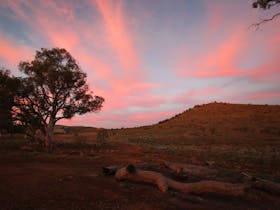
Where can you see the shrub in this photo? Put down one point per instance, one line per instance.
(102, 135)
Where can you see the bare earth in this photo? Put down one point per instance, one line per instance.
(74, 181)
(236, 138)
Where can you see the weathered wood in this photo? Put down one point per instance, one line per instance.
(111, 170)
(262, 184)
(209, 162)
(131, 173)
(190, 170)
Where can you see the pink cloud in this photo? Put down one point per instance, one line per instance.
(268, 70)
(215, 13)
(220, 60)
(109, 120)
(260, 96)
(106, 49)
(198, 96)
(102, 71)
(119, 35)
(54, 21)
(152, 117)
(264, 95)
(13, 52)
(147, 101)
(227, 58)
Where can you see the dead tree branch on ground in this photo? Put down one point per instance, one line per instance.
(191, 170)
(164, 183)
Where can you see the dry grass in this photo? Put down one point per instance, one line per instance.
(235, 137)
(243, 137)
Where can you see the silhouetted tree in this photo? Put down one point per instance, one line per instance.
(265, 4)
(54, 88)
(8, 88)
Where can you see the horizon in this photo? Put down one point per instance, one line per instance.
(151, 60)
(170, 117)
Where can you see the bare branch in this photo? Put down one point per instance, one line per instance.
(45, 95)
(257, 25)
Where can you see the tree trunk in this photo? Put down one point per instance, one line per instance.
(49, 138)
(49, 141)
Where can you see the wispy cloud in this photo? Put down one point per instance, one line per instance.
(119, 35)
(146, 59)
(12, 51)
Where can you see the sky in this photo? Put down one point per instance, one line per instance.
(151, 59)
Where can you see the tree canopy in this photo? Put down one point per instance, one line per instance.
(53, 88)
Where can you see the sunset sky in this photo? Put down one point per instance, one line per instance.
(151, 59)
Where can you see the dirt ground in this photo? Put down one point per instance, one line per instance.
(72, 179)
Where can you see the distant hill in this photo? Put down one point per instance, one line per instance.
(59, 129)
(208, 123)
(219, 122)
(240, 117)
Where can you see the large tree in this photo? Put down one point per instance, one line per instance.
(54, 87)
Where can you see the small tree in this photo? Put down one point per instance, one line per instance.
(102, 135)
(54, 88)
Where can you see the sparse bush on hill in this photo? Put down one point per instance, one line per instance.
(102, 136)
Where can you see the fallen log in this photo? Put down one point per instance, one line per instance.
(262, 184)
(209, 162)
(111, 170)
(164, 183)
(190, 170)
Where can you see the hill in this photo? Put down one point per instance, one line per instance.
(229, 121)
(236, 136)
(218, 122)
(232, 139)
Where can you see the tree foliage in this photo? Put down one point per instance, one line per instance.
(9, 86)
(54, 88)
(265, 5)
